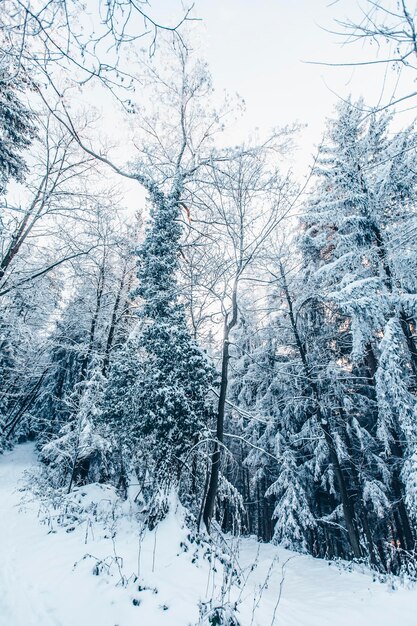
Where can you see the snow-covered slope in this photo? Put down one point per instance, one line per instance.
(39, 585)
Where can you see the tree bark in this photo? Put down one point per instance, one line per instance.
(86, 360)
(216, 455)
(210, 500)
(113, 322)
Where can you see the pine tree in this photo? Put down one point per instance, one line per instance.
(163, 373)
(176, 374)
(294, 519)
(365, 195)
(79, 454)
(17, 128)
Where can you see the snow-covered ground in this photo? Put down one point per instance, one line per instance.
(39, 585)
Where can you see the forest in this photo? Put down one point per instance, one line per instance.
(191, 328)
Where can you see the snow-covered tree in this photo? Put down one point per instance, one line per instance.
(292, 514)
(162, 371)
(17, 126)
(362, 207)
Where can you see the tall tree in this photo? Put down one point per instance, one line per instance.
(17, 124)
(365, 195)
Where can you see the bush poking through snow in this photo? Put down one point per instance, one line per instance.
(218, 616)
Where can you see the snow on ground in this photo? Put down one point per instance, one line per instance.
(39, 585)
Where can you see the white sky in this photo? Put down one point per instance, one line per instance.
(260, 49)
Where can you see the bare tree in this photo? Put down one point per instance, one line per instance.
(40, 226)
(391, 26)
(55, 36)
(243, 203)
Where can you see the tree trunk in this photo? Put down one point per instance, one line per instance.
(87, 357)
(113, 323)
(25, 405)
(216, 455)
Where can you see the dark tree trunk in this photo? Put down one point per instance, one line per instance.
(24, 406)
(86, 360)
(216, 455)
(113, 322)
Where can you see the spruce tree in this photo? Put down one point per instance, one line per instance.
(363, 205)
(176, 374)
(159, 387)
(17, 128)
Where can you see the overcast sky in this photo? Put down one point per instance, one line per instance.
(261, 49)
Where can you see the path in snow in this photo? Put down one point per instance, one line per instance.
(40, 587)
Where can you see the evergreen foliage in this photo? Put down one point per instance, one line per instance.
(17, 127)
(159, 388)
